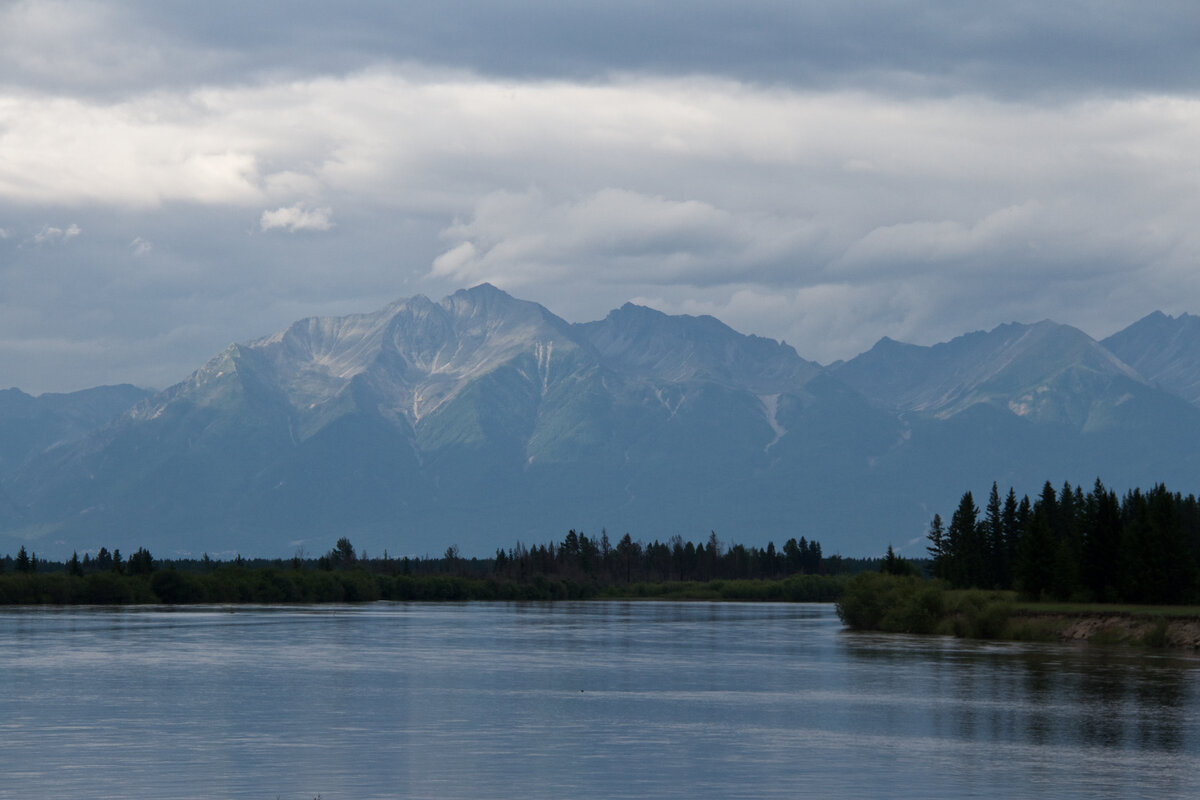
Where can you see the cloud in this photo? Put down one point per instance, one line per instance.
(923, 216)
(421, 142)
(51, 235)
(830, 189)
(615, 236)
(814, 172)
(297, 218)
(932, 47)
(138, 154)
(823, 322)
(80, 43)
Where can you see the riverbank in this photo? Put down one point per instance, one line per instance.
(1106, 627)
(868, 601)
(896, 604)
(240, 585)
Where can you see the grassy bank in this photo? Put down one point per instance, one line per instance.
(239, 584)
(866, 601)
(893, 604)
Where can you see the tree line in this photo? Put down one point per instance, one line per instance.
(583, 558)
(28, 563)
(1142, 547)
(578, 567)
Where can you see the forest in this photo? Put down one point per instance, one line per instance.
(1142, 547)
(578, 567)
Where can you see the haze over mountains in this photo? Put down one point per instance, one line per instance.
(481, 420)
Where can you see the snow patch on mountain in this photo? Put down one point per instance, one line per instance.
(770, 404)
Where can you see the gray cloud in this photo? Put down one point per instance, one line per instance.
(615, 236)
(822, 173)
(1012, 49)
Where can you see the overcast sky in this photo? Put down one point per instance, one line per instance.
(177, 176)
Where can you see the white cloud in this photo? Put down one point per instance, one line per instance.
(435, 141)
(297, 218)
(140, 246)
(828, 218)
(51, 235)
(130, 154)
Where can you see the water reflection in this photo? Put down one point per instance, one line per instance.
(1093, 705)
(1044, 694)
(574, 699)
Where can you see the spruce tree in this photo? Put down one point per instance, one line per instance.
(24, 565)
(1170, 561)
(995, 572)
(1070, 539)
(1012, 535)
(965, 545)
(1135, 575)
(1035, 573)
(1100, 558)
(937, 548)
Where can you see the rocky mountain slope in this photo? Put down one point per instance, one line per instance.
(30, 425)
(481, 419)
(1164, 350)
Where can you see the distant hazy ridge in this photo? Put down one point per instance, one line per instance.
(482, 419)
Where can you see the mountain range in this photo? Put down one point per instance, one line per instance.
(482, 420)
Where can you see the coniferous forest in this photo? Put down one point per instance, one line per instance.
(578, 567)
(1143, 547)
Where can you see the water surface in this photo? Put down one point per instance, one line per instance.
(614, 700)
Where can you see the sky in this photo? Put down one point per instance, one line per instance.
(179, 176)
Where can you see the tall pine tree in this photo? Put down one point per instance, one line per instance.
(964, 543)
(994, 574)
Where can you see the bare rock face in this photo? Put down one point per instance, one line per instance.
(1164, 350)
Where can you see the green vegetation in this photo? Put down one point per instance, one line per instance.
(1142, 549)
(1115, 609)
(1067, 566)
(576, 568)
(906, 604)
(239, 584)
(795, 589)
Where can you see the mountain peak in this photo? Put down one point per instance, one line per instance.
(888, 344)
(481, 417)
(1010, 366)
(483, 292)
(648, 343)
(645, 319)
(1165, 350)
(484, 310)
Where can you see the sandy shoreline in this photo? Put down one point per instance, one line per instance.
(1180, 632)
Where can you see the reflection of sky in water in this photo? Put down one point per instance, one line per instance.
(598, 699)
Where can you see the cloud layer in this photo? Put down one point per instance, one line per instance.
(169, 179)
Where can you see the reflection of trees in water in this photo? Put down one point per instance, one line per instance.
(1162, 704)
(1103, 721)
(1040, 695)
(1108, 699)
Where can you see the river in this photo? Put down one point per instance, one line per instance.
(573, 700)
